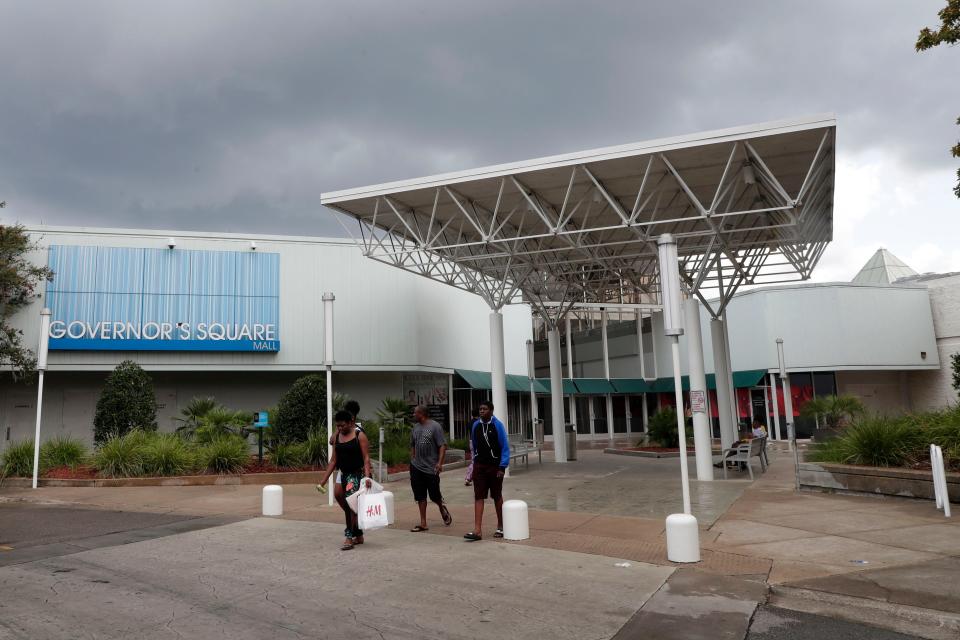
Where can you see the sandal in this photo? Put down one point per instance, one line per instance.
(472, 537)
(418, 529)
(498, 533)
(445, 514)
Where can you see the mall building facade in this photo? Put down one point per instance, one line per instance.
(239, 318)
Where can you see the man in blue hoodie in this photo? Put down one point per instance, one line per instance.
(491, 456)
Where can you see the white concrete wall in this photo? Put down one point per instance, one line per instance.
(932, 389)
(883, 392)
(385, 318)
(825, 328)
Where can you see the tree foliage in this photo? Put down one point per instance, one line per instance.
(947, 33)
(301, 409)
(18, 283)
(127, 402)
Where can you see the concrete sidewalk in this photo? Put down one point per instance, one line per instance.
(895, 554)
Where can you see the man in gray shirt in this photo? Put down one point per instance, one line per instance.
(428, 448)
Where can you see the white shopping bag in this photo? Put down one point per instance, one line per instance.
(375, 487)
(373, 511)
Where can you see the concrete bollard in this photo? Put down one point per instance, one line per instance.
(516, 524)
(273, 500)
(388, 498)
(683, 538)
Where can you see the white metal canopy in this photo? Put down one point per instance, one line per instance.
(747, 205)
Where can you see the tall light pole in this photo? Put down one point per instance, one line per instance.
(41, 368)
(788, 409)
(328, 299)
(683, 535)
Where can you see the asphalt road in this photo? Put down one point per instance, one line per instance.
(772, 623)
(30, 532)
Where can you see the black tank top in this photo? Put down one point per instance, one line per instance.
(349, 454)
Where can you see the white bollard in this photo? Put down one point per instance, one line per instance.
(683, 538)
(273, 500)
(516, 524)
(388, 498)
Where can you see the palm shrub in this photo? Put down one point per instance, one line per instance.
(394, 416)
(833, 411)
(17, 460)
(121, 456)
(300, 409)
(126, 402)
(166, 454)
(193, 413)
(221, 421)
(662, 429)
(226, 454)
(62, 451)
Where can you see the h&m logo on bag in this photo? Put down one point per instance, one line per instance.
(373, 510)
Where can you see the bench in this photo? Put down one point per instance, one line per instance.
(744, 453)
(520, 447)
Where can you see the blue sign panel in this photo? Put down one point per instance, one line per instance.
(261, 419)
(128, 299)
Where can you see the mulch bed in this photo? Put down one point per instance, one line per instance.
(66, 473)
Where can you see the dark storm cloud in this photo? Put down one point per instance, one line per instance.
(235, 116)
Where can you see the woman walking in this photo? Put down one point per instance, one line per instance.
(351, 457)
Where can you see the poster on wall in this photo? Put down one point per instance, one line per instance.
(431, 390)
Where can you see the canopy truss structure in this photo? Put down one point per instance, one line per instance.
(748, 205)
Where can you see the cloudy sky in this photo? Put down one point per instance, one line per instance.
(235, 116)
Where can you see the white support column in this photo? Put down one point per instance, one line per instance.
(724, 401)
(698, 387)
(776, 408)
(572, 399)
(534, 409)
(328, 361)
(556, 396)
(591, 413)
(734, 401)
(643, 363)
(787, 395)
(646, 412)
(628, 415)
(766, 407)
(604, 317)
(498, 375)
(453, 434)
(42, 352)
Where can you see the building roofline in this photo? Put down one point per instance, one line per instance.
(183, 235)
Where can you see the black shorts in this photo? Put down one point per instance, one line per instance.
(485, 481)
(424, 484)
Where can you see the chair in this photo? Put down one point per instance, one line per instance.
(743, 453)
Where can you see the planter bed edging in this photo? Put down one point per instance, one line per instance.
(283, 477)
(909, 483)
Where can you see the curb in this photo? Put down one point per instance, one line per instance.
(917, 621)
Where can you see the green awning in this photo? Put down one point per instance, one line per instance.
(568, 387)
(594, 386)
(748, 378)
(483, 380)
(522, 384)
(631, 385)
(476, 379)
